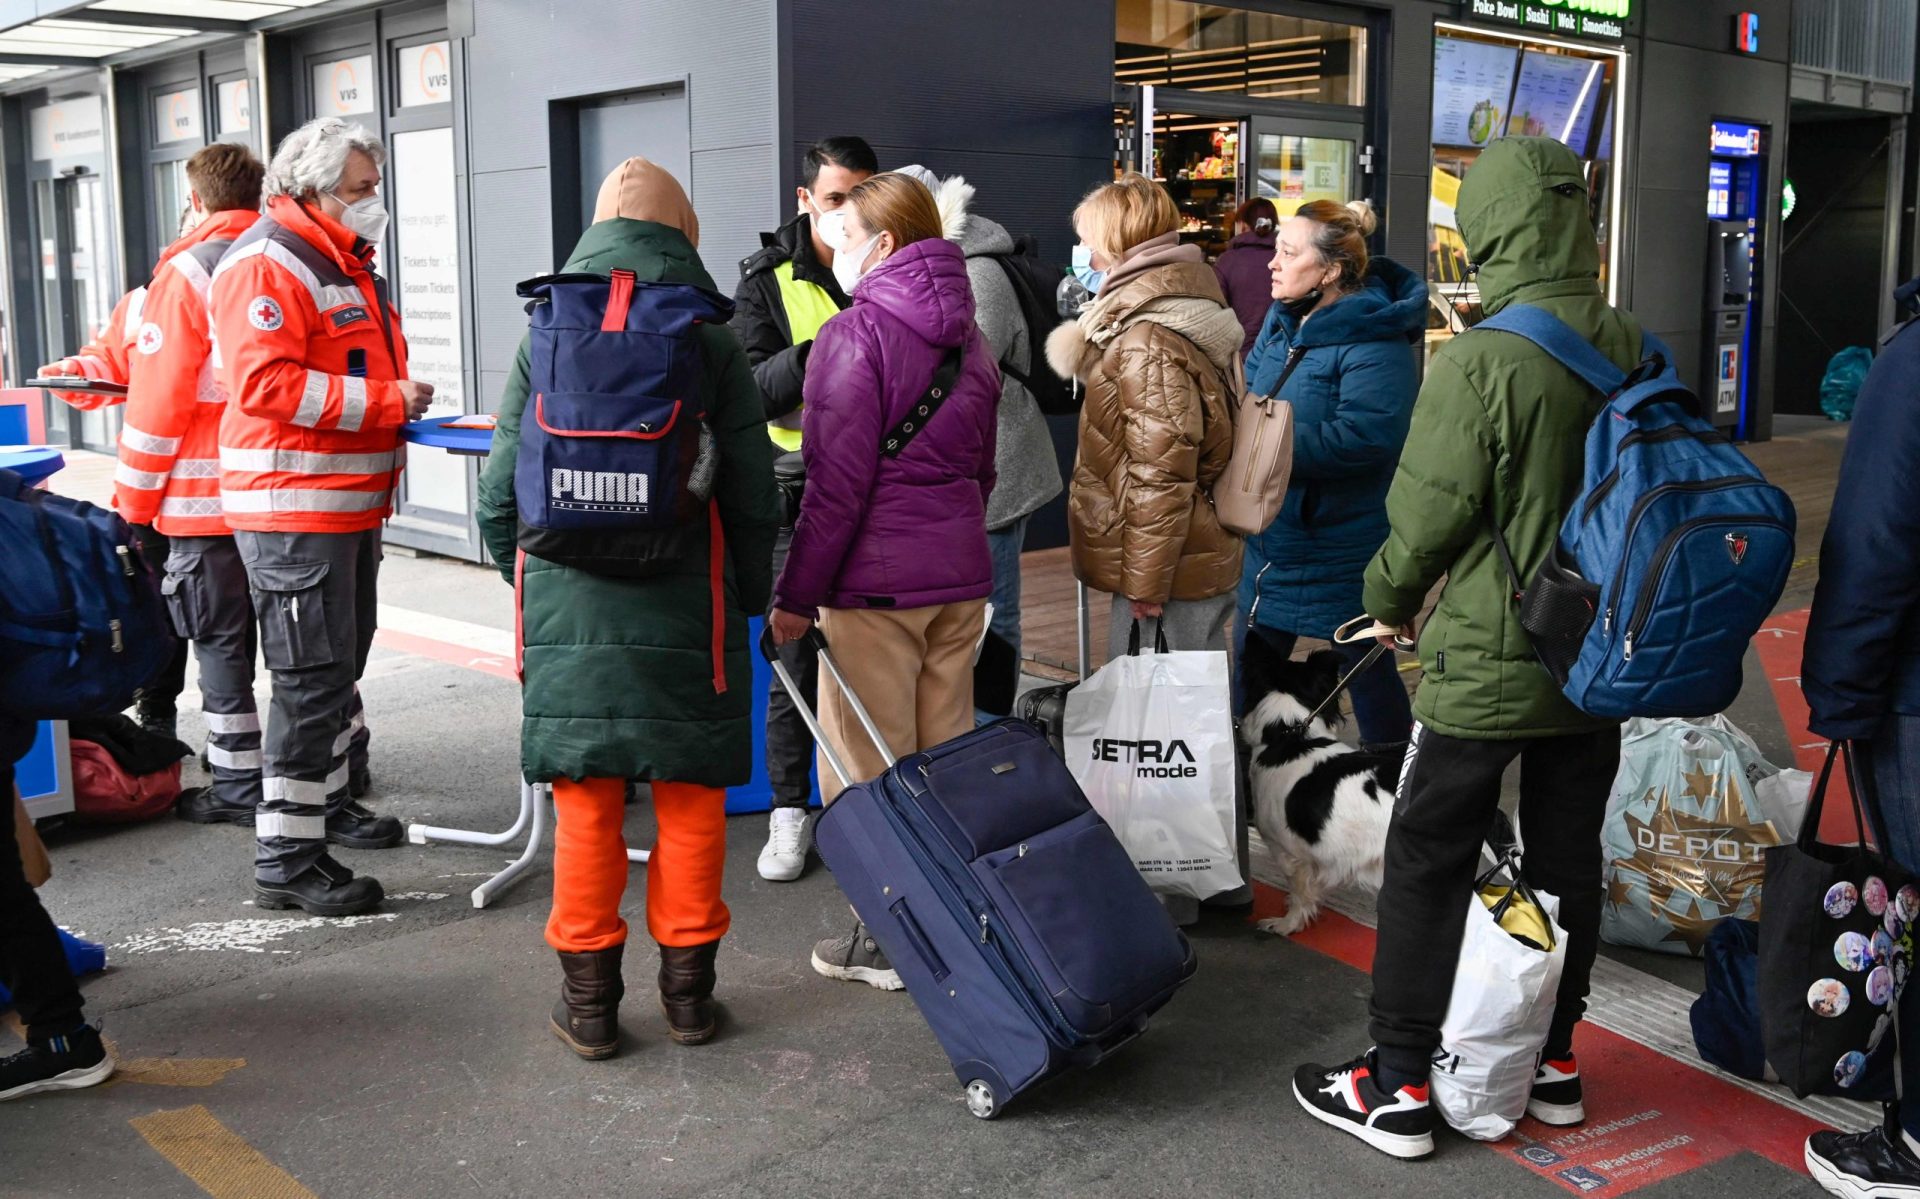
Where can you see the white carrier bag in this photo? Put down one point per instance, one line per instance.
(1502, 1005)
(1149, 738)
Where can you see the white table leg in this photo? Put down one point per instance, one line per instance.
(532, 820)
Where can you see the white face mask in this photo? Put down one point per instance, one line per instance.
(367, 217)
(832, 227)
(850, 265)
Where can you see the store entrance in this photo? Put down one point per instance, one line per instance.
(77, 293)
(1213, 152)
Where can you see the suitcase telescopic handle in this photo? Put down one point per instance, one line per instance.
(819, 642)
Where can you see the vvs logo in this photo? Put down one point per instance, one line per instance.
(1154, 759)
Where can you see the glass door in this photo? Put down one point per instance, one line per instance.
(78, 291)
(1295, 162)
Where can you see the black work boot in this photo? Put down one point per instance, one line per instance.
(586, 1017)
(325, 888)
(157, 717)
(358, 827)
(200, 805)
(359, 781)
(686, 992)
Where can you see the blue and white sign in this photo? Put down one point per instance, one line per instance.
(1736, 141)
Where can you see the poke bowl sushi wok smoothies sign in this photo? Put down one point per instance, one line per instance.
(1565, 18)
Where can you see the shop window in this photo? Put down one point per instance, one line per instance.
(1212, 48)
(1487, 86)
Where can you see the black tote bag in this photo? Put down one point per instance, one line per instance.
(1836, 942)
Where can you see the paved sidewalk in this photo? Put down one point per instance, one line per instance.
(405, 1053)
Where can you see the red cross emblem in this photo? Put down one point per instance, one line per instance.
(149, 339)
(264, 314)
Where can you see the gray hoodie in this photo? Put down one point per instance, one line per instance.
(1029, 475)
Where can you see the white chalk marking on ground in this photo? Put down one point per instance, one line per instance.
(425, 895)
(253, 935)
(1632, 1003)
(478, 637)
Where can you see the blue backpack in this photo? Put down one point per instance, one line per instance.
(82, 622)
(1674, 553)
(617, 458)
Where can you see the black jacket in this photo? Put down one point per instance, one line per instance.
(760, 318)
(1862, 658)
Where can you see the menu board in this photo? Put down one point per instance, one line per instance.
(1472, 82)
(1605, 149)
(1556, 97)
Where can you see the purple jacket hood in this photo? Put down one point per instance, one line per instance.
(909, 531)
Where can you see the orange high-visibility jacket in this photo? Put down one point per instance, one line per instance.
(310, 353)
(169, 471)
(105, 357)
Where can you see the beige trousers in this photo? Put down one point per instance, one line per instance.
(913, 670)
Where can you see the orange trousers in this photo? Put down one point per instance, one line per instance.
(590, 865)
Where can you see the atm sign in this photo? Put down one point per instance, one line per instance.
(1737, 141)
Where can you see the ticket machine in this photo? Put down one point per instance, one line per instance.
(1736, 185)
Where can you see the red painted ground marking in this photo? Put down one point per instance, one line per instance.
(1649, 1117)
(1780, 643)
(446, 651)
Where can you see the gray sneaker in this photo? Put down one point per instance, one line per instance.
(856, 957)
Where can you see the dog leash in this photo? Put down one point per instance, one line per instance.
(1344, 635)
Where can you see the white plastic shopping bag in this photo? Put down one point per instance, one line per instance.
(1150, 739)
(1501, 1010)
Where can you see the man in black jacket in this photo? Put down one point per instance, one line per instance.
(787, 291)
(1861, 677)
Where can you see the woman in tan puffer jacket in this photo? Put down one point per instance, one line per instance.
(1158, 351)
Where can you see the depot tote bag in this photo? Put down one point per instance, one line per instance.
(1836, 942)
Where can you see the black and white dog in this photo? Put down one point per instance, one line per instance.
(1321, 805)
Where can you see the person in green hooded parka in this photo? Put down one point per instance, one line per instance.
(1499, 435)
(629, 678)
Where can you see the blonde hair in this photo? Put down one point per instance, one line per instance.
(1117, 216)
(897, 204)
(1340, 236)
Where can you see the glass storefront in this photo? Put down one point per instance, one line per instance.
(1487, 85)
(1232, 104)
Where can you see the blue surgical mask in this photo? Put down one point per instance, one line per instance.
(1083, 269)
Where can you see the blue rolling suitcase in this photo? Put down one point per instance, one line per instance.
(1018, 923)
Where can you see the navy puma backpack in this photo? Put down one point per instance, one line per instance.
(1672, 557)
(82, 622)
(617, 458)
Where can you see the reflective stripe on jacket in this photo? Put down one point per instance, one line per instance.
(310, 351)
(169, 470)
(808, 307)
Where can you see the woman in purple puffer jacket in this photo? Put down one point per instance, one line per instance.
(890, 552)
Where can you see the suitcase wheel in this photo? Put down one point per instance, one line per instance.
(981, 1100)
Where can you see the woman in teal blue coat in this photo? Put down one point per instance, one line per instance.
(1338, 344)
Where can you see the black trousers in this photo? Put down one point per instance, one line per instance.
(33, 965)
(789, 744)
(163, 693)
(1449, 791)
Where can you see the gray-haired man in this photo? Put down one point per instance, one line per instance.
(311, 354)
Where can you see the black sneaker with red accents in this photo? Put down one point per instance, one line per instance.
(1347, 1097)
(1556, 1096)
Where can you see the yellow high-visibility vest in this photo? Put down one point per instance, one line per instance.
(808, 307)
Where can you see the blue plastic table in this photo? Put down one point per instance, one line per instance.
(32, 462)
(434, 432)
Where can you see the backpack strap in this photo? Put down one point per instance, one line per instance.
(1557, 338)
(937, 392)
(619, 300)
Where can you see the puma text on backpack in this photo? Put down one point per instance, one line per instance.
(617, 459)
(1034, 281)
(1674, 553)
(82, 622)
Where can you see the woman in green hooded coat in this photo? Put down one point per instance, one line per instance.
(629, 678)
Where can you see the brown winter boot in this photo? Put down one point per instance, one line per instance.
(590, 992)
(686, 992)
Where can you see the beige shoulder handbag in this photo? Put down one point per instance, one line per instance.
(1249, 495)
